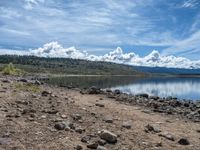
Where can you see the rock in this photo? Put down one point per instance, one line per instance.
(46, 93)
(101, 148)
(108, 90)
(85, 139)
(108, 119)
(92, 145)
(100, 104)
(60, 126)
(108, 136)
(5, 141)
(151, 128)
(198, 130)
(79, 147)
(184, 141)
(154, 97)
(52, 111)
(76, 117)
(21, 102)
(167, 136)
(37, 82)
(127, 124)
(117, 92)
(93, 90)
(23, 80)
(6, 81)
(63, 116)
(101, 142)
(79, 130)
(142, 95)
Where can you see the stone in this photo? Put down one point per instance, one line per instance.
(92, 145)
(142, 95)
(127, 124)
(6, 81)
(85, 139)
(79, 147)
(101, 142)
(167, 136)
(101, 148)
(108, 119)
(60, 126)
(46, 93)
(184, 141)
(5, 141)
(108, 136)
(23, 80)
(80, 130)
(151, 128)
(63, 116)
(117, 91)
(100, 104)
(154, 97)
(37, 82)
(93, 90)
(76, 117)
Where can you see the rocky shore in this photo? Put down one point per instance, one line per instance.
(34, 115)
(170, 105)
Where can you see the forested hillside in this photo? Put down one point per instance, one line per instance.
(35, 64)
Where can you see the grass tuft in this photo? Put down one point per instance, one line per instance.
(11, 70)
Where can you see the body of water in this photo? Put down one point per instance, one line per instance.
(182, 88)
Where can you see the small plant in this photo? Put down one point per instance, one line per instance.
(11, 70)
(27, 87)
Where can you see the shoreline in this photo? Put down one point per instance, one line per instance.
(41, 116)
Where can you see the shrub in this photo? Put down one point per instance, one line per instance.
(11, 70)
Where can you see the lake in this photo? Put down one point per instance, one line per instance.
(180, 87)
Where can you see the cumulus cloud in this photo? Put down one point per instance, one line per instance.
(54, 49)
(154, 59)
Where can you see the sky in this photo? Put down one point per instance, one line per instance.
(171, 27)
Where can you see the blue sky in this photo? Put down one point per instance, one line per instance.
(170, 26)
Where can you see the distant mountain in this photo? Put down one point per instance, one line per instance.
(164, 70)
(49, 65)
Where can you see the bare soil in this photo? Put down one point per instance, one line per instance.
(28, 117)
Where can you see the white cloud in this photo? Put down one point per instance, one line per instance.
(53, 49)
(9, 13)
(189, 3)
(190, 44)
(154, 59)
(29, 4)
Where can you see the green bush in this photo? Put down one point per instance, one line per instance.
(11, 70)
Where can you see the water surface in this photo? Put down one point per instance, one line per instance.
(182, 88)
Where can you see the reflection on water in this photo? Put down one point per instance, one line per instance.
(184, 88)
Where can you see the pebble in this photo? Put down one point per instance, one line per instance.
(127, 124)
(167, 136)
(92, 145)
(151, 128)
(108, 136)
(108, 119)
(184, 141)
(79, 147)
(100, 104)
(101, 148)
(60, 126)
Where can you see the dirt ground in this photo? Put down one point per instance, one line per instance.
(28, 115)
